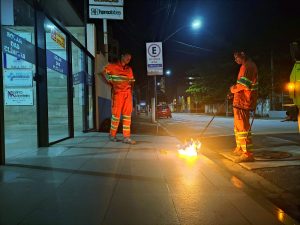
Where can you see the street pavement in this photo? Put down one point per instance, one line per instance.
(89, 180)
(277, 154)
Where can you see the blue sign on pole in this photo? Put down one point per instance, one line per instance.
(56, 63)
(17, 46)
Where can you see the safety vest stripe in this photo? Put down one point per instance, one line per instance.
(119, 78)
(244, 81)
(126, 117)
(127, 120)
(112, 127)
(114, 117)
(125, 126)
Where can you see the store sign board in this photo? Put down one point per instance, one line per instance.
(154, 58)
(107, 2)
(20, 96)
(56, 63)
(18, 78)
(17, 46)
(58, 37)
(106, 12)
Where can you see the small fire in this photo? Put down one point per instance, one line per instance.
(190, 149)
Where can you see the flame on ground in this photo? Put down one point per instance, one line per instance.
(190, 149)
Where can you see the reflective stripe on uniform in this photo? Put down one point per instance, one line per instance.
(126, 127)
(245, 81)
(115, 119)
(118, 78)
(112, 127)
(126, 118)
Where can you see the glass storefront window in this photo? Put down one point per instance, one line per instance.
(78, 33)
(90, 81)
(19, 87)
(78, 87)
(57, 82)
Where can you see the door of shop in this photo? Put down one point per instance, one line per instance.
(57, 82)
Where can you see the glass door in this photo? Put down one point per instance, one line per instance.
(19, 87)
(78, 70)
(57, 82)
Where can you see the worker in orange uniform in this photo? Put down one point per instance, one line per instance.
(244, 100)
(120, 76)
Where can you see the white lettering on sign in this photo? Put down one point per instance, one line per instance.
(105, 12)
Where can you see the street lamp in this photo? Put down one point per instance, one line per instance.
(196, 24)
(168, 72)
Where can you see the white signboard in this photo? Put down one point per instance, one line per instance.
(18, 78)
(154, 58)
(18, 96)
(107, 2)
(12, 62)
(106, 12)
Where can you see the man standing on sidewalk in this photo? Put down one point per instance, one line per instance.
(120, 76)
(244, 100)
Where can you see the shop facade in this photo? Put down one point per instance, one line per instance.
(47, 76)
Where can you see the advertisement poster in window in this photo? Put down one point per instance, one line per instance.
(18, 78)
(22, 96)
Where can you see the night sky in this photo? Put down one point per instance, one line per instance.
(256, 26)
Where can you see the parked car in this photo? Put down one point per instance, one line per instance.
(163, 111)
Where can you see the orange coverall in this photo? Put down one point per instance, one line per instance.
(244, 100)
(121, 79)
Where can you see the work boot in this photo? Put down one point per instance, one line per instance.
(128, 140)
(237, 151)
(245, 157)
(112, 138)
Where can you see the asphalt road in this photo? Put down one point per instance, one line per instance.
(219, 134)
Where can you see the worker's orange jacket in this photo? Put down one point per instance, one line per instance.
(119, 77)
(246, 87)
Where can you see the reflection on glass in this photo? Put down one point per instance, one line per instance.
(78, 87)
(90, 79)
(19, 89)
(57, 70)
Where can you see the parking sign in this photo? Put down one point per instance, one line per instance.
(154, 58)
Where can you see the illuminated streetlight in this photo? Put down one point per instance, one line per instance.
(196, 24)
(168, 72)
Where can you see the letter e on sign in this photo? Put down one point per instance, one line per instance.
(154, 50)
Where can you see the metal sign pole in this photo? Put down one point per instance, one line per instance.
(155, 104)
(105, 39)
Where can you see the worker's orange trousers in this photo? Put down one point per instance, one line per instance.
(121, 104)
(242, 130)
